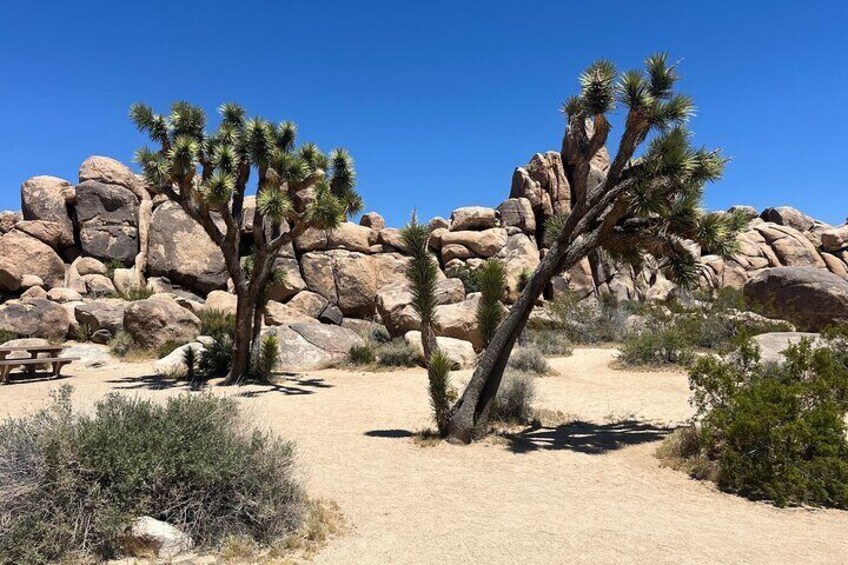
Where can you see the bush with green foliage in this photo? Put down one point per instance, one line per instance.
(776, 432)
(72, 482)
(657, 345)
(83, 332)
(585, 322)
(167, 348)
(217, 323)
(135, 293)
(267, 358)
(394, 353)
(490, 311)
(529, 360)
(438, 378)
(550, 341)
(514, 401)
(216, 358)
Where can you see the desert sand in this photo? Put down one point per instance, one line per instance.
(590, 491)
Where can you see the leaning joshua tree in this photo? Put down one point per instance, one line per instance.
(208, 175)
(647, 202)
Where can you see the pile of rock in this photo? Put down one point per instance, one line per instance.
(69, 258)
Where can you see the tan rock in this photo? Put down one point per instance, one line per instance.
(309, 303)
(222, 301)
(62, 294)
(46, 198)
(484, 243)
(107, 171)
(348, 236)
(277, 314)
(473, 218)
(49, 233)
(790, 246)
(459, 351)
(35, 317)
(32, 257)
(158, 320)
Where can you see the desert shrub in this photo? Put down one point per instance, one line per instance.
(514, 400)
(657, 345)
(6, 335)
(72, 482)
(550, 341)
(217, 323)
(529, 360)
(167, 348)
(83, 332)
(362, 355)
(267, 358)
(217, 358)
(398, 353)
(122, 344)
(777, 432)
(470, 277)
(586, 323)
(111, 266)
(438, 376)
(492, 280)
(136, 293)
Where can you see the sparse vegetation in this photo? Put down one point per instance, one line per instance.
(83, 332)
(514, 401)
(135, 293)
(268, 357)
(552, 342)
(529, 360)
(123, 346)
(217, 323)
(769, 432)
(470, 277)
(71, 482)
(590, 322)
(375, 355)
(657, 345)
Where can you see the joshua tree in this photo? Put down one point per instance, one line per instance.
(208, 174)
(492, 279)
(648, 202)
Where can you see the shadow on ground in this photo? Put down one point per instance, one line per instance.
(581, 437)
(288, 386)
(585, 437)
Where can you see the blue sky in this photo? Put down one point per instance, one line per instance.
(438, 101)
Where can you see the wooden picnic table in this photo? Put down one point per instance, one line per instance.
(33, 361)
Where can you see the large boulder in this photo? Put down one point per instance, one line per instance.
(790, 246)
(309, 303)
(394, 303)
(25, 255)
(107, 171)
(350, 279)
(307, 347)
(788, 216)
(372, 220)
(835, 239)
(520, 257)
(473, 218)
(459, 351)
(47, 198)
(52, 234)
(159, 319)
(810, 298)
(35, 317)
(460, 321)
(484, 243)
(349, 236)
(9, 219)
(102, 314)
(292, 282)
(181, 250)
(108, 221)
(773, 344)
(518, 212)
(277, 314)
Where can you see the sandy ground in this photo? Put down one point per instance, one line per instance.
(587, 492)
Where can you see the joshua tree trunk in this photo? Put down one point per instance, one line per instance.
(243, 339)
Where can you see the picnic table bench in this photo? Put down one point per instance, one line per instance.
(31, 363)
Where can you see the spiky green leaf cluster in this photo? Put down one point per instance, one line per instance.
(216, 166)
(491, 277)
(438, 375)
(421, 271)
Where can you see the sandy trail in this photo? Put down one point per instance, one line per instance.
(584, 493)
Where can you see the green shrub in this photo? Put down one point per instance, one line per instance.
(268, 357)
(190, 363)
(529, 360)
(657, 345)
(550, 341)
(492, 280)
(398, 353)
(362, 355)
(438, 377)
(514, 400)
(136, 293)
(587, 323)
(777, 432)
(112, 266)
(73, 482)
(217, 358)
(122, 344)
(217, 323)
(6, 335)
(83, 332)
(469, 277)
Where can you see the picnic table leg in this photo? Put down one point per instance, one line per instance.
(5, 373)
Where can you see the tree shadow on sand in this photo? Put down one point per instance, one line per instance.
(585, 437)
(581, 437)
(288, 386)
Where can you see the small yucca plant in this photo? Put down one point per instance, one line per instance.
(492, 279)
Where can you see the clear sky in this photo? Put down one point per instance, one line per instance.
(437, 101)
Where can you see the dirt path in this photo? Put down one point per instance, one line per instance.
(588, 492)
